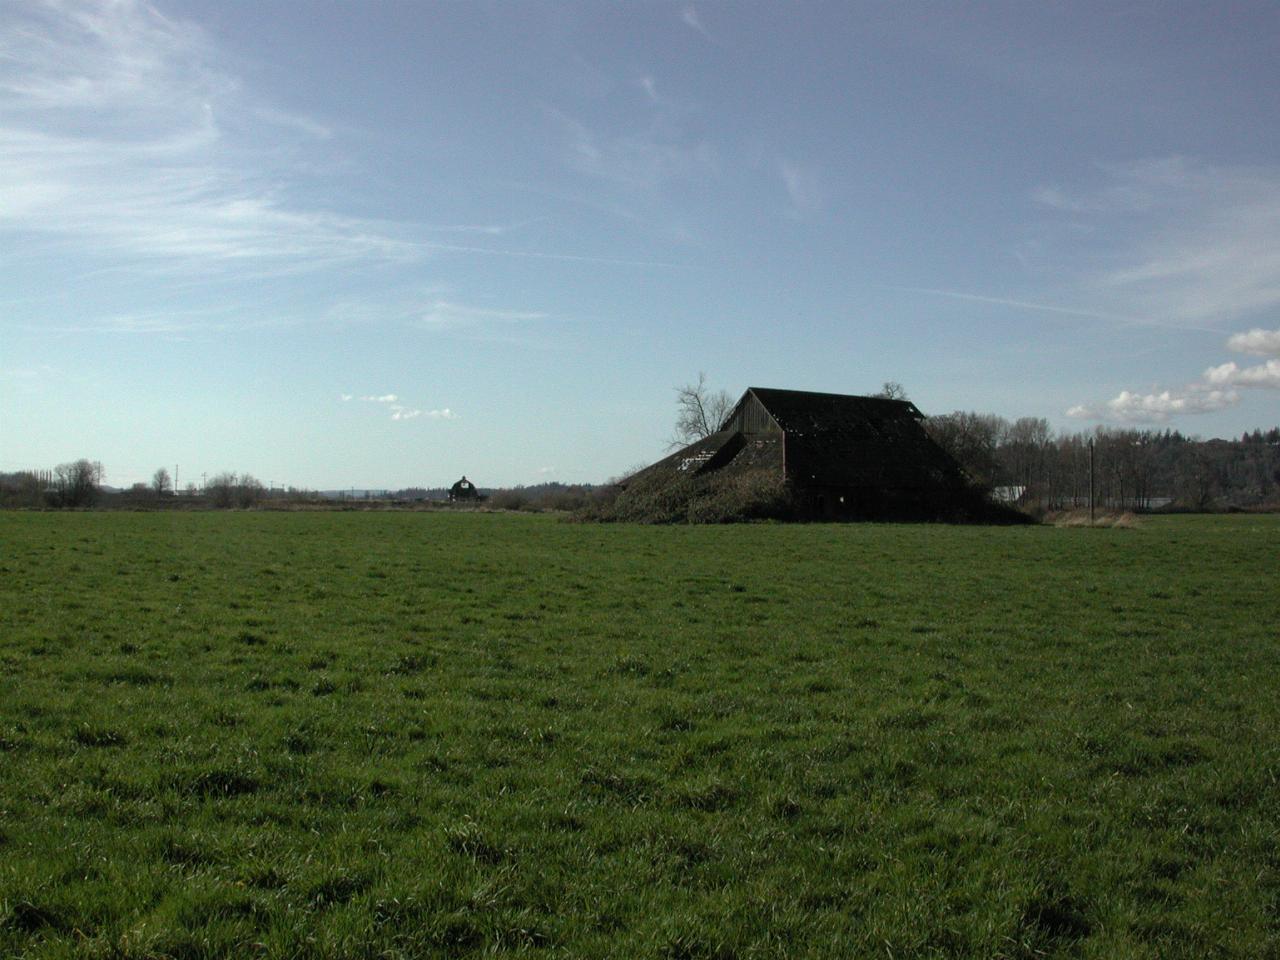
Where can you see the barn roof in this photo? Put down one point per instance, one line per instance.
(805, 409)
(838, 439)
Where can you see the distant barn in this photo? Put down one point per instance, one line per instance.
(835, 456)
(464, 491)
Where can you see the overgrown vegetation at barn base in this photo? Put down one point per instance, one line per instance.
(712, 498)
(762, 495)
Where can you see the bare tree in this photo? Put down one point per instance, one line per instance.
(972, 439)
(229, 489)
(76, 484)
(699, 411)
(1022, 455)
(892, 390)
(1199, 482)
(160, 482)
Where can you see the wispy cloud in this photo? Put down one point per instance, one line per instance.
(689, 16)
(1184, 242)
(175, 325)
(646, 156)
(125, 136)
(1172, 243)
(120, 131)
(41, 371)
(486, 229)
(803, 186)
(443, 313)
(1020, 304)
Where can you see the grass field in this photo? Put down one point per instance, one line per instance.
(405, 735)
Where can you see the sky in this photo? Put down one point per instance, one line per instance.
(339, 244)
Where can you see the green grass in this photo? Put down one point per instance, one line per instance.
(407, 735)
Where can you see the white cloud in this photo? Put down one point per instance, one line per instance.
(1259, 343)
(399, 411)
(406, 413)
(1129, 407)
(1263, 375)
(1214, 391)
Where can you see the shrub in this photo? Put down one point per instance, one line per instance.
(509, 500)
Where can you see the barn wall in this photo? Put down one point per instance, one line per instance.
(752, 417)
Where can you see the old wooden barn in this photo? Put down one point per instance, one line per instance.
(838, 456)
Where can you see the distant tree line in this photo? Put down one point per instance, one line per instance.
(74, 484)
(1022, 460)
(80, 484)
(1136, 469)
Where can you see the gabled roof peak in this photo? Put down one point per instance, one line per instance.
(788, 407)
(762, 392)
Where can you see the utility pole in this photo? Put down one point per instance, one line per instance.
(1091, 481)
(175, 479)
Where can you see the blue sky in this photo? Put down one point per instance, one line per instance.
(383, 244)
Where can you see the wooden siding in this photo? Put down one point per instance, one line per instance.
(750, 416)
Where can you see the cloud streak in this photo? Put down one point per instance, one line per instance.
(1081, 313)
(445, 314)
